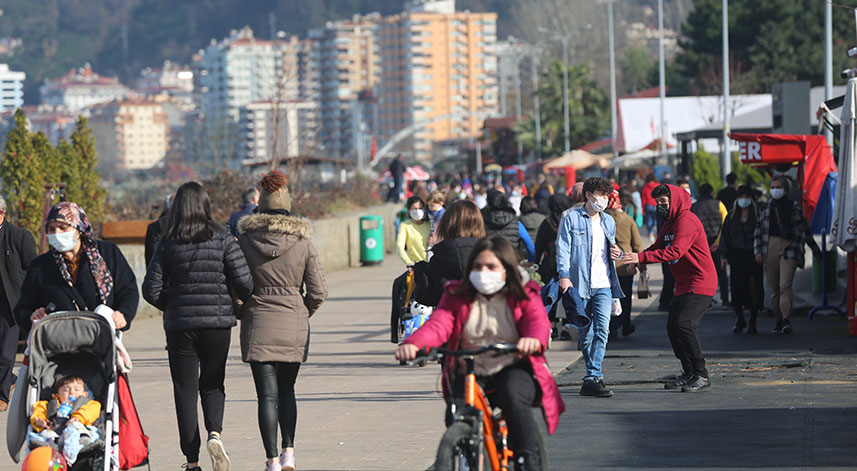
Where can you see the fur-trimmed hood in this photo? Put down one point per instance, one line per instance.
(274, 234)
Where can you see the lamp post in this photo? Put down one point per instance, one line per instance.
(725, 160)
(564, 40)
(613, 103)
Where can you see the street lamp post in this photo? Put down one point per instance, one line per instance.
(613, 103)
(564, 39)
(534, 65)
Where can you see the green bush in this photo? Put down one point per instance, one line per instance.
(705, 168)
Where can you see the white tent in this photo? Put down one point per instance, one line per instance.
(844, 230)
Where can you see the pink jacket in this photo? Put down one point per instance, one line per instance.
(448, 319)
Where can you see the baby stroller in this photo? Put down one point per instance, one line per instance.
(80, 344)
(407, 314)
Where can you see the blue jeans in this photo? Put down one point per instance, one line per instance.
(651, 218)
(593, 338)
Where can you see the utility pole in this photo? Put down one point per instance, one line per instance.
(566, 132)
(534, 65)
(518, 103)
(725, 160)
(613, 103)
(828, 60)
(662, 74)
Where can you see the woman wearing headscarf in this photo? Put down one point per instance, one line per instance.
(288, 288)
(77, 273)
(628, 239)
(546, 245)
(195, 272)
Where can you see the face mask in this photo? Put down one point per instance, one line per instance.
(744, 202)
(778, 193)
(62, 241)
(417, 214)
(487, 282)
(687, 190)
(598, 204)
(664, 210)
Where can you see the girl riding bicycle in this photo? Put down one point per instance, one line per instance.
(497, 303)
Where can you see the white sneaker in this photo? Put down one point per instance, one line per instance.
(275, 466)
(217, 452)
(287, 461)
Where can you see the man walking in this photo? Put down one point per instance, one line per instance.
(249, 198)
(683, 244)
(397, 170)
(586, 248)
(18, 250)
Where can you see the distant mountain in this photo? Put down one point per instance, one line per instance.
(121, 37)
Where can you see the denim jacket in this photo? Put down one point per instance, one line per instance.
(574, 249)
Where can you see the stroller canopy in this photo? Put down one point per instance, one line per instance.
(73, 343)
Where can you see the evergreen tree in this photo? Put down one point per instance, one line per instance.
(84, 183)
(705, 168)
(23, 185)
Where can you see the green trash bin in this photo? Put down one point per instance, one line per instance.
(830, 276)
(371, 240)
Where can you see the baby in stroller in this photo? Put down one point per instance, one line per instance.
(66, 420)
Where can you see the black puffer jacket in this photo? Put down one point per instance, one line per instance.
(190, 282)
(446, 264)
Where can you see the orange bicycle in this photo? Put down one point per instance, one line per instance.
(477, 439)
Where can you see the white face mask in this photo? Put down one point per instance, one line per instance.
(62, 241)
(687, 190)
(744, 202)
(487, 282)
(598, 204)
(417, 214)
(777, 193)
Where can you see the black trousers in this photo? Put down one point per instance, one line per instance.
(198, 367)
(722, 276)
(275, 392)
(624, 319)
(8, 348)
(514, 390)
(684, 315)
(669, 287)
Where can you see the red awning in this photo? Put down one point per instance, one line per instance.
(811, 152)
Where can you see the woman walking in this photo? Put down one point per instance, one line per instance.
(412, 240)
(288, 287)
(737, 243)
(530, 216)
(194, 268)
(628, 239)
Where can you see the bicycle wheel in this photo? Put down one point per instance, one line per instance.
(456, 450)
(543, 452)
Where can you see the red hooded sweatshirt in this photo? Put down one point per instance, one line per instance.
(683, 244)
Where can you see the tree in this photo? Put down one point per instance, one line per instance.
(588, 108)
(705, 168)
(636, 69)
(22, 177)
(79, 163)
(747, 174)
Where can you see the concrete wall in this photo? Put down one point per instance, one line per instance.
(337, 240)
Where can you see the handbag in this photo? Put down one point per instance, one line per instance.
(643, 285)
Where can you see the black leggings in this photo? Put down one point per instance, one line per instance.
(275, 390)
(198, 367)
(514, 390)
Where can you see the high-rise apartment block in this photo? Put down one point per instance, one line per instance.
(348, 65)
(130, 134)
(82, 88)
(286, 129)
(438, 67)
(11, 88)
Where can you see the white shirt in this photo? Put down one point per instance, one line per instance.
(599, 277)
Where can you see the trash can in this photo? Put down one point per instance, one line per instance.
(829, 281)
(371, 240)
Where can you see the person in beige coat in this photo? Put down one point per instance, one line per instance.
(289, 287)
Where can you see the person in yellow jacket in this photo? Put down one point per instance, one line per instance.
(412, 240)
(70, 413)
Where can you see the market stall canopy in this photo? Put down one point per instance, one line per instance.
(411, 173)
(811, 152)
(493, 168)
(845, 206)
(578, 160)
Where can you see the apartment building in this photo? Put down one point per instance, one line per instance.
(348, 65)
(291, 127)
(130, 134)
(80, 89)
(438, 67)
(11, 88)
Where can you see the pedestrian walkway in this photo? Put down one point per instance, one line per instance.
(360, 410)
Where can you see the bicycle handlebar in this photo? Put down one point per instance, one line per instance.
(436, 353)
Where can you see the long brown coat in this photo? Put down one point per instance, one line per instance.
(627, 238)
(288, 287)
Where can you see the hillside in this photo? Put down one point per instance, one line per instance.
(121, 37)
